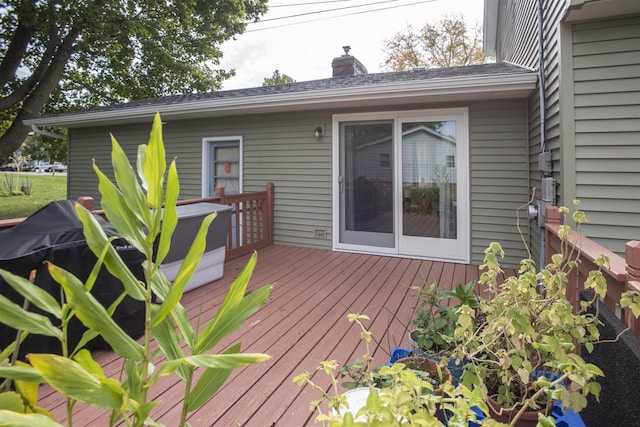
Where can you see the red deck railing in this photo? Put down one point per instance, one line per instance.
(250, 224)
(623, 274)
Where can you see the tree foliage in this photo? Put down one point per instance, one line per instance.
(277, 79)
(450, 42)
(64, 55)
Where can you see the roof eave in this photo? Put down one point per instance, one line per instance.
(477, 87)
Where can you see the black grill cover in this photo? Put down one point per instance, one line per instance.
(54, 233)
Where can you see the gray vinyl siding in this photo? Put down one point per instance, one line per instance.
(499, 183)
(606, 108)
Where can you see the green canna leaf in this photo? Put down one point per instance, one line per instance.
(119, 213)
(185, 272)
(14, 315)
(209, 383)
(13, 419)
(11, 401)
(170, 213)
(154, 165)
(161, 286)
(72, 380)
(165, 335)
(128, 184)
(94, 316)
(234, 310)
(36, 295)
(21, 373)
(97, 240)
(214, 361)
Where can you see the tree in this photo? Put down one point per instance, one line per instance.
(277, 79)
(65, 55)
(448, 43)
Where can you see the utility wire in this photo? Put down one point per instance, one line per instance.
(333, 17)
(271, 6)
(327, 10)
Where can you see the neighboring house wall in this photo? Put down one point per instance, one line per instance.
(602, 150)
(280, 148)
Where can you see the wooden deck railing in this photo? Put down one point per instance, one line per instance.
(250, 224)
(623, 274)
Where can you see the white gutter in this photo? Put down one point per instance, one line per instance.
(39, 131)
(391, 93)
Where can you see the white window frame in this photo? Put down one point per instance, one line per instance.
(206, 162)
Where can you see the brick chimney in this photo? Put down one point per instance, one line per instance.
(347, 65)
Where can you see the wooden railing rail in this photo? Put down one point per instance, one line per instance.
(622, 274)
(250, 224)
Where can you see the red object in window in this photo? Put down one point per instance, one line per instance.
(227, 167)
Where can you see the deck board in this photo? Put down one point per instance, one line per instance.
(302, 323)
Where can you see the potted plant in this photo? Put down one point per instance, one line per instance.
(435, 318)
(406, 398)
(523, 355)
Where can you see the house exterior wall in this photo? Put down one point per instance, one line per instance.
(517, 42)
(605, 141)
(281, 148)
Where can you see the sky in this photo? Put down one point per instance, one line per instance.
(303, 46)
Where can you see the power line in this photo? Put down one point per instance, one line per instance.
(309, 3)
(333, 17)
(327, 10)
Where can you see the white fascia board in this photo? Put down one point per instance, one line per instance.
(509, 85)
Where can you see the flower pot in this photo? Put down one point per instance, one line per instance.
(527, 419)
(356, 399)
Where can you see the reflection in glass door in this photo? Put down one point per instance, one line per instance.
(366, 183)
(429, 179)
(434, 188)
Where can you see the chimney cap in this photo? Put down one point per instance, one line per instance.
(346, 49)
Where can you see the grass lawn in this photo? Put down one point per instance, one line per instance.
(45, 188)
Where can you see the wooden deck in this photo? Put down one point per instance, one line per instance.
(303, 323)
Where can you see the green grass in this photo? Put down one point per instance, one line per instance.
(45, 188)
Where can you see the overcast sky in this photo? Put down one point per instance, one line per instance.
(303, 46)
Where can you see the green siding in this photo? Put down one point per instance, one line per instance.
(606, 107)
(280, 148)
(499, 177)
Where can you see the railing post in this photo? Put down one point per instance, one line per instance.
(632, 260)
(270, 212)
(85, 201)
(553, 217)
(220, 193)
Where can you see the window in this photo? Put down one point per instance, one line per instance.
(385, 160)
(222, 165)
(451, 161)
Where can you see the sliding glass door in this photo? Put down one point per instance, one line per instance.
(402, 183)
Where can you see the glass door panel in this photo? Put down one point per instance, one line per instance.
(433, 223)
(429, 179)
(366, 183)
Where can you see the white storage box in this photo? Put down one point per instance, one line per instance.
(211, 265)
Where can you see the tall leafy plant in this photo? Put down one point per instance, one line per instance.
(141, 204)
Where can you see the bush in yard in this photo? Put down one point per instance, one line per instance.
(142, 208)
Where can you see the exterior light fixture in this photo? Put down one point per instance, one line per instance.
(318, 131)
